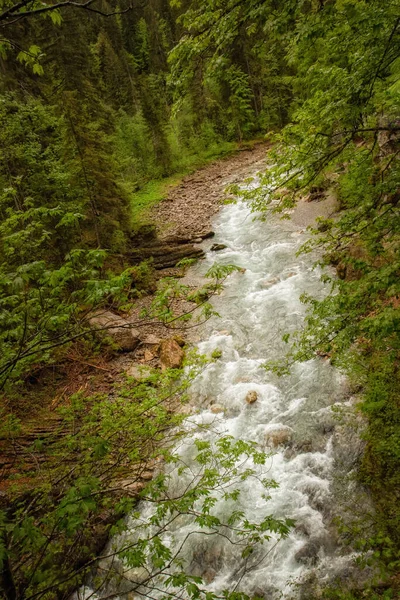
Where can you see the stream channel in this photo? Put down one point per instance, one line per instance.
(292, 416)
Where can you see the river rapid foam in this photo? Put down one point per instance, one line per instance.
(291, 417)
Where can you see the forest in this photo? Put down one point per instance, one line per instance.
(103, 105)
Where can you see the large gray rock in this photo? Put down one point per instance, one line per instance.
(108, 324)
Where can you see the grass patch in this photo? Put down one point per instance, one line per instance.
(156, 190)
(148, 196)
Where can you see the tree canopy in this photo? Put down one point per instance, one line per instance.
(98, 98)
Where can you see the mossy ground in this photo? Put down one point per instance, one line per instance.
(154, 191)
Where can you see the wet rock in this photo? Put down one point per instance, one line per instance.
(279, 436)
(207, 235)
(207, 561)
(217, 408)
(251, 397)
(242, 380)
(108, 324)
(197, 241)
(217, 247)
(326, 428)
(304, 446)
(171, 354)
(302, 529)
(139, 372)
(209, 575)
(317, 499)
(308, 554)
(267, 283)
(224, 332)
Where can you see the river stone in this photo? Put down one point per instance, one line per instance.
(308, 554)
(171, 354)
(209, 575)
(278, 436)
(125, 337)
(251, 397)
(217, 247)
(217, 408)
(267, 283)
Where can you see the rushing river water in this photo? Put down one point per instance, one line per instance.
(291, 416)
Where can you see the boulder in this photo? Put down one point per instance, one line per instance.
(171, 354)
(149, 355)
(151, 340)
(251, 397)
(217, 247)
(308, 554)
(278, 436)
(179, 340)
(108, 324)
(217, 408)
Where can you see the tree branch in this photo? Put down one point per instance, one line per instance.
(17, 10)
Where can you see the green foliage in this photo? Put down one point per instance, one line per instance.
(92, 475)
(99, 111)
(344, 140)
(48, 278)
(229, 64)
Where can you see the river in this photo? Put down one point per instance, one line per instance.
(291, 417)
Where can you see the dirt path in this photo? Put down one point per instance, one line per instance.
(189, 207)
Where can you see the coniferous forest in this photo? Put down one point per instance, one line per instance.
(103, 105)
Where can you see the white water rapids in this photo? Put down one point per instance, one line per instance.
(291, 415)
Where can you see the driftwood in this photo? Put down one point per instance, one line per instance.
(166, 255)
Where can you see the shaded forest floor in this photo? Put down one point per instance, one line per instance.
(186, 212)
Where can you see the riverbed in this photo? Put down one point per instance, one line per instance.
(289, 418)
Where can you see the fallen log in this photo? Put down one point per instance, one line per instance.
(165, 255)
